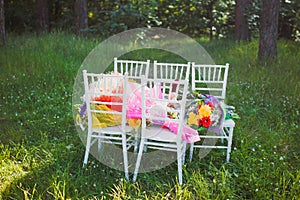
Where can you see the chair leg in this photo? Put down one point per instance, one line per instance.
(87, 148)
(145, 147)
(179, 165)
(99, 145)
(125, 156)
(230, 135)
(183, 152)
(223, 134)
(136, 142)
(191, 151)
(138, 161)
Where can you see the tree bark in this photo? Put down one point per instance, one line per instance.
(286, 25)
(2, 23)
(57, 10)
(210, 7)
(42, 16)
(81, 19)
(268, 31)
(241, 30)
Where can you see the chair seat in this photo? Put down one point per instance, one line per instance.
(158, 133)
(113, 129)
(228, 123)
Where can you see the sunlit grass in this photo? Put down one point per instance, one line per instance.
(41, 154)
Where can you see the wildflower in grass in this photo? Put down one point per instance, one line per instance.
(281, 158)
(83, 110)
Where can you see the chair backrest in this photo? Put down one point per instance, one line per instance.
(135, 69)
(210, 79)
(106, 94)
(158, 108)
(170, 71)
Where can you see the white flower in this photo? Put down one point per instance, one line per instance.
(281, 158)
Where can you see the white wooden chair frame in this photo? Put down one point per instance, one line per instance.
(135, 69)
(116, 135)
(170, 71)
(165, 140)
(215, 79)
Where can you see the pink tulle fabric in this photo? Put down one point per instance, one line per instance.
(188, 134)
(134, 99)
(134, 110)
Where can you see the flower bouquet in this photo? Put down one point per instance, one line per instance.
(205, 112)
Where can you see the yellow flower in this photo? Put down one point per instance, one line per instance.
(204, 111)
(90, 15)
(193, 119)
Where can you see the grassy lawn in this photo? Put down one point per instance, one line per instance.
(41, 153)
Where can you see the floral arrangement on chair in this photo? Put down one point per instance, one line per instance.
(205, 113)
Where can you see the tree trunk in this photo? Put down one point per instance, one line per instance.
(57, 10)
(286, 25)
(241, 30)
(81, 20)
(42, 16)
(210, 7)
(2, 23)
(268, 30)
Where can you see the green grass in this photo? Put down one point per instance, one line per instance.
(41, 153)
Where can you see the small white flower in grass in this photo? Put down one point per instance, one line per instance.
(214, 181)
(94, 185)
(281, 158)
(235, 148)
(253, 149)
(256, 190)
(274, 152)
